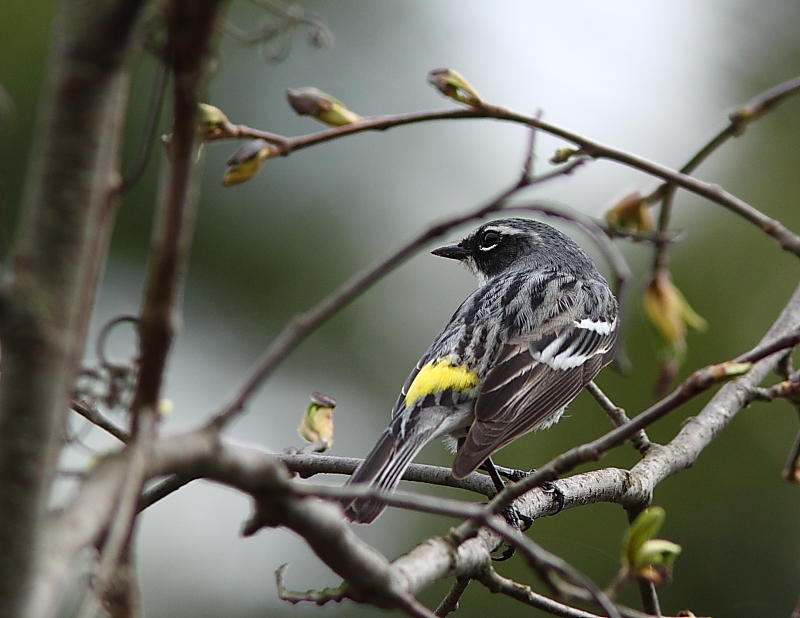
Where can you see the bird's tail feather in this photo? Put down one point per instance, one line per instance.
(382, 468)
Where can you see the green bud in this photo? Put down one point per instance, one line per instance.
(317, 422)
(454, 86)
(562, 155)
(245, 162)
(322, 106)
(213, 122)
(731, 369)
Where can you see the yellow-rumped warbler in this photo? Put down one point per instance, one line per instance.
(522, 346)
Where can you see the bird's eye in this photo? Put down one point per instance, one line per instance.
(489, 240)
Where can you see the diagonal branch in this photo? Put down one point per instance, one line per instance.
(737, 123)
(305, 323)
(787, 239)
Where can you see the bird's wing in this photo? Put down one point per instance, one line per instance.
(531, 382)
(401, 398)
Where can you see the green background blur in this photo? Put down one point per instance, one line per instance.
(653, 78)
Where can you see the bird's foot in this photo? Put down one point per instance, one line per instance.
(512, 474)
(517, 520)
(515, 475)
(550, 487)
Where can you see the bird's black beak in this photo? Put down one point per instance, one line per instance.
(454, 252)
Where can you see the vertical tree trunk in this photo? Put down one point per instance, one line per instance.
(58, 251)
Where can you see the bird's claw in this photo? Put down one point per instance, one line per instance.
(517, 520)
(551, 488)
(514, 476)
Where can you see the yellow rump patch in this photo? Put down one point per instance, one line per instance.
(440, 376)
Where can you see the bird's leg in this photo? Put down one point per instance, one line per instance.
(494, 473)
(514, 475)
(511, 514)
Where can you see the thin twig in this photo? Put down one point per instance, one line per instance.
(496, 583)
(791, 471)
(320, 597)
(788, 389)
(548, 564)
(150, 130)
(617, 415)
(449, 603)
(285, 145)
(307, 465)
(95, 417)
(121, 522)
(103, 334)
(528, 170)
(161, 490)
(738, 121)
(190, 31)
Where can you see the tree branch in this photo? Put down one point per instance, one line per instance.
(57, 257)
(191, 25)
(787, 240)
(639, 440)
(449, 603)
(738, 122)
(693, 437)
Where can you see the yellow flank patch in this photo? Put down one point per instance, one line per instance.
(440, 376)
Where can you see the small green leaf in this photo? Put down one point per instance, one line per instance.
(643, 556)
(644, 527)
(656, 553)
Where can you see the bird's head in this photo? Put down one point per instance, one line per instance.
(497, 246)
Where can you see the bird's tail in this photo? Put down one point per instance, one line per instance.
(383, 468)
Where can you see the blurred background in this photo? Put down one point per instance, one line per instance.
(656, 79)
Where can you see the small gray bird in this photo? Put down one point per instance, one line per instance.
(541, 325)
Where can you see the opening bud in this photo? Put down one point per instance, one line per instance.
(454, 86)
(322, 106)
(213, 122)
(316, 425)
(631, 213)
(245, 162)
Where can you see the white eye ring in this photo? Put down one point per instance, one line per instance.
(489, 236)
